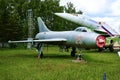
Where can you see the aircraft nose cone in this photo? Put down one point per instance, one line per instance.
(58, 14)
(63, 15)
(100, 41)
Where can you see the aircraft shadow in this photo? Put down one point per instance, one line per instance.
(24, 55)
(45, 56)
(55, 56)
(96, 51)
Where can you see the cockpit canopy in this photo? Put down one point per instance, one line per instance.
(82, 29)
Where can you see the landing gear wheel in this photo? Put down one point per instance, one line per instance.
(111, 45)
(40, 55)
(73, 53)
(100, 49)
(111, 49)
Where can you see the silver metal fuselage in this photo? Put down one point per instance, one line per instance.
(73, 38)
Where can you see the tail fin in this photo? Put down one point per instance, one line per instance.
(42, 26)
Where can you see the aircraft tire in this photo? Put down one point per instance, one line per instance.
(73, 53)
(111, 49)
(41, 55)
(100, 49)
(111, 45)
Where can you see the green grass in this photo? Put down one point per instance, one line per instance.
(23, 64)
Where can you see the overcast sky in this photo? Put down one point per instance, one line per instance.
(99, 10)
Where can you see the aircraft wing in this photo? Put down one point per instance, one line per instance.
(51, 40)
(40, 40)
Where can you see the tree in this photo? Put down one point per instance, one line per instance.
(14, 20)
(3, 19)
(70, 8)
(67, 24)
(10, 24)
(14, 30)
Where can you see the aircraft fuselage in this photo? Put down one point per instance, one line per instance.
(74, 38)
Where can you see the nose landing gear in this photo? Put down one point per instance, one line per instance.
(73, 51)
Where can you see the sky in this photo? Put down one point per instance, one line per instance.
(100, 10)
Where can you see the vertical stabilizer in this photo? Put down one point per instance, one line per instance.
(42, 26)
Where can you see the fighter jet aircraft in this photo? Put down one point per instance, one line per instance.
(99, 27)
(79, 39)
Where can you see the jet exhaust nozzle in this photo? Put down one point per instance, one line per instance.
(100, 41)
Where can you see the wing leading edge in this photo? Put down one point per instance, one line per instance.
(40, 40)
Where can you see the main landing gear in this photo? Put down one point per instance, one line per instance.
(73, 51)
(110, 47)
(40, 52)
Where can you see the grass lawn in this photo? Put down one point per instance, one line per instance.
(23, 64)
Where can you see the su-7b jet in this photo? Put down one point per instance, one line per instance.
(75, 39)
